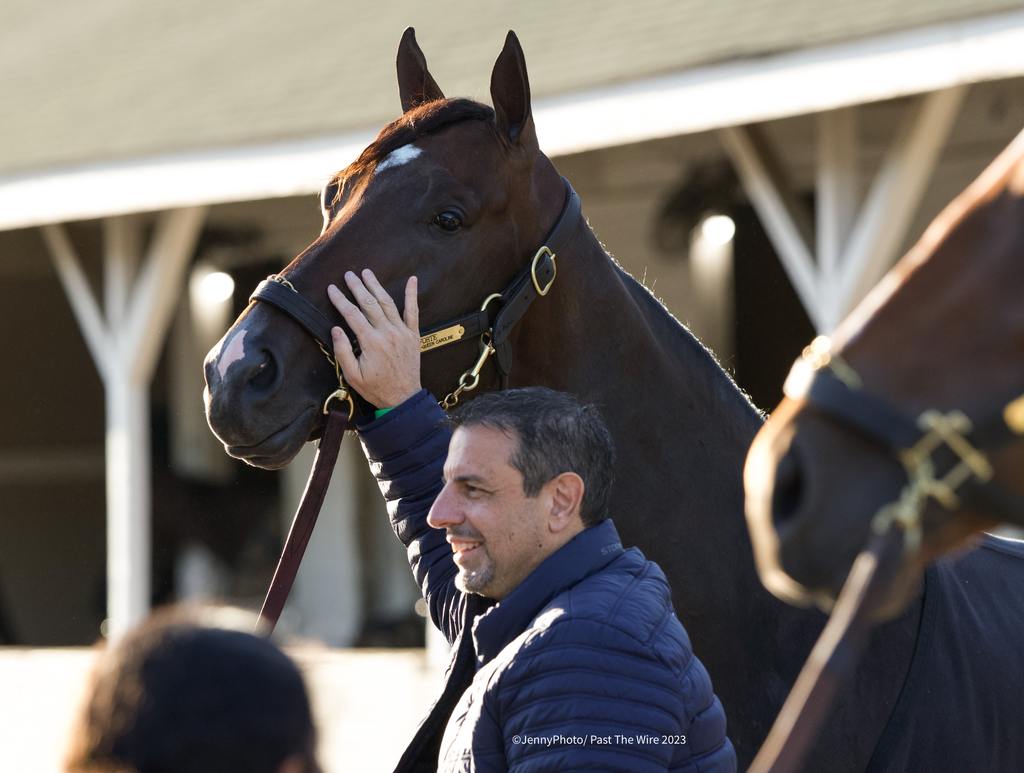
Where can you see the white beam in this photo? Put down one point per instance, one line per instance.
(753, 90)
(159, 289)
(126, 352)
(82, 300)
(837, 194)
(836, 186)
(781, 214)
(895, 194)
(139, 341)
(121, 248)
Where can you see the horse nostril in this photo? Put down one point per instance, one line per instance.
(788, 491)
(264, 373)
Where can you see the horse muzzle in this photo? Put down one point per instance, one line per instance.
(811, 492)
(250, 405)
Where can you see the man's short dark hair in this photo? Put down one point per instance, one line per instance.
(179, 694)
(555, 433)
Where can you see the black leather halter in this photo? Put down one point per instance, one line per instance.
(944, 454)
(492, 323)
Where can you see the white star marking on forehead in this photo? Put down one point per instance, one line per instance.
(402, 155)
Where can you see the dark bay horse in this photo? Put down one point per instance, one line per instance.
(912, 417)
(461, 196)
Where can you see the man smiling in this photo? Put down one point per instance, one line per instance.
(567, 653)
(498, 524)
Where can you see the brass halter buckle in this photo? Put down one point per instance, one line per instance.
(342, 392)
(818, 355)
(950, 430)
(533, 271)
(282, 281)
(1013, 415)
(469, 380)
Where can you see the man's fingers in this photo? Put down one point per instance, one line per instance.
(412, 309)
(386, 304)
(387, 370)
(346, 357)
(355, 318)
(371, 308)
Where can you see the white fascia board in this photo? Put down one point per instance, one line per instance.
(174, 181)
(794, 83)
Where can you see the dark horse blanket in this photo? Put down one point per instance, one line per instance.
(960, 708)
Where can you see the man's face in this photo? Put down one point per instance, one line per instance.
(498, 534)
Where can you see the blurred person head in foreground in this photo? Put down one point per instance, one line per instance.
(186, 691)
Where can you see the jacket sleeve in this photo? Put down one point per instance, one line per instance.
(582, 696)
(406, 449)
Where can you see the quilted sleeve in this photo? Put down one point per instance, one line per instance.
(406, 449)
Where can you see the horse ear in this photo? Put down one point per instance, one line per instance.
(415, 83)
(510, 93)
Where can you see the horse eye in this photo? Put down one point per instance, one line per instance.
(448, 221)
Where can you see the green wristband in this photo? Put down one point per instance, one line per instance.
(381, 411)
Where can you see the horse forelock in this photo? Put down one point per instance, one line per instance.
(425, 119)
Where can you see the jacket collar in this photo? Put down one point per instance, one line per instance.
(586, 553)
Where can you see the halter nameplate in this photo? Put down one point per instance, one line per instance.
(441, 337)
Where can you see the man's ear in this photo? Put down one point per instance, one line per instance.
(510, 94)
(566, 491)
(415, 83)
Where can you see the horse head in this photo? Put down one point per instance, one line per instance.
(903, 419)
(453, 191)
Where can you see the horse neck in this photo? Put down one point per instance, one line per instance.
(682, 426)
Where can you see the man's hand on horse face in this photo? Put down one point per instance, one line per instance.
(387, 371)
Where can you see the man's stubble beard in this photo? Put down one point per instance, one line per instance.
(476, 581)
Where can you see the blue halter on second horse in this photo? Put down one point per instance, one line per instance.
(944, 454)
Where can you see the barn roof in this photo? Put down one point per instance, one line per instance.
(106, 80)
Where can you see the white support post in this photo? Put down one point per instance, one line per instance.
(128, 502)
(895, 194)
(125, 348)
(783, 217)
(837, 193)
(121, 249)
(83, 303)
(159, 287)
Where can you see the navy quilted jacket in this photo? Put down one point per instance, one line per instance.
(584, 666)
